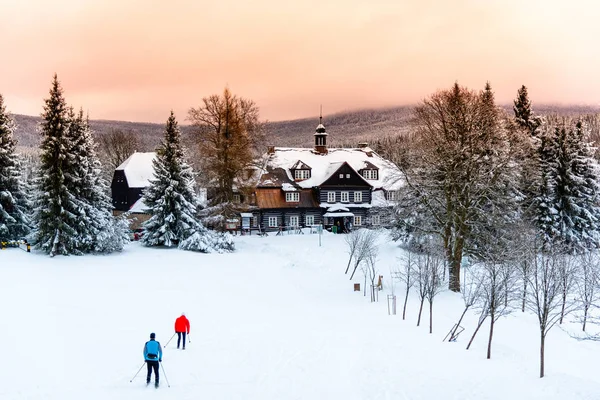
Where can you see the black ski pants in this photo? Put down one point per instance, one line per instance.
(151, 365)
(179, 339)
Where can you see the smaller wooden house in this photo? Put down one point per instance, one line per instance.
(130, 179)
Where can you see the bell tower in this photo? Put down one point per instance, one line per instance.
(321, 136)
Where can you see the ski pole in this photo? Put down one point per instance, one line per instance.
(165, 374)
(136, 374)
(170, 340)
(189, 340)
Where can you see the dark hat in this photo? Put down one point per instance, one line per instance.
(152, 335)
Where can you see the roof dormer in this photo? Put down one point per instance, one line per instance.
(300, 171)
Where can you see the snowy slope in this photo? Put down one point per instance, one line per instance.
(276, 320)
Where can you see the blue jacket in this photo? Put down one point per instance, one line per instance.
(152, 351)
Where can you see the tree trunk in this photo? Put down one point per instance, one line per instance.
(585, 313)
(354, 271)
(405, 301)
(524, 294)
(454, 272)
(476, 330)
(458, 323)
(431, 316)
(489, 350)
(542, 343)
(562, 309)
(420, 310)
(349, 262)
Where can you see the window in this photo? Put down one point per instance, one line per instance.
(292, 197)
(357, 220)
(309, 220)
(341, 176)
(345, 197)
(347, 176)
(294, 220)
(272, 222)
(370, 174)
(375, 220)
(254, 221)
(302, 174)
(358, 197)
(237, 198)
(331, 197)
(391, 195)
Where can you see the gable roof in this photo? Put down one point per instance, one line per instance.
(281, 160)
(300, 165)
(334, 168)
(138, 169)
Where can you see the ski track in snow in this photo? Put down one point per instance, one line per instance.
(277, 319)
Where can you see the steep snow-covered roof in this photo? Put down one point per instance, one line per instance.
(138, 169)
(139, 206)
(323, 165)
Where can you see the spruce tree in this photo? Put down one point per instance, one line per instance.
(170, 196)
(576, 192)
(57, 214)
(14, 221)
(522, 108)
(108, 233)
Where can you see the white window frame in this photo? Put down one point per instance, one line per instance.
(302, 174)
(375, 219)
(358, 197)
(272, 222)
(254, 221)
(309, 220)
(347, 176)
(294, 221)
(358, 220)
(292, 197)
(341, 176)
(392, 195)
(331, 197)
(345, 197)
(370, 174)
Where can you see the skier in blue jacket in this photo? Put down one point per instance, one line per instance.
(152, 355)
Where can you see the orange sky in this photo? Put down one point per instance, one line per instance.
(138, 59)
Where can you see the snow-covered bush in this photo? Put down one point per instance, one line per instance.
(206, 241)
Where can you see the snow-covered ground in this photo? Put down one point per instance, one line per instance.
(277, 319)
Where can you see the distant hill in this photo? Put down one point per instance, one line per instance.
(344, 128)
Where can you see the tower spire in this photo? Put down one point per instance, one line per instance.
(321, 115)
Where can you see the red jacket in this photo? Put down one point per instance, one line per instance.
(182, 324)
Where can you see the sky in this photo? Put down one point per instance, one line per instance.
(136, 60)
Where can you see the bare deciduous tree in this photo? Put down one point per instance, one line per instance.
(229, 136)
(435, 268)
(460, 164)
(365, 246)
(471, 290)
(117, 145)
(353, 240)
(407, 276)
(544, 298)
(588, 284)
(567, 273)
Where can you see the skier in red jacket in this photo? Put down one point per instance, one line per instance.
(182, 326)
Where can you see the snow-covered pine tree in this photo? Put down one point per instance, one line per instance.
(99, 230)
(527, 153)
(170, 196)
(57, 209)
(14, 220)
(576, 192)
(543, 205)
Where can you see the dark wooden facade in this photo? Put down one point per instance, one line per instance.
(123, 197)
